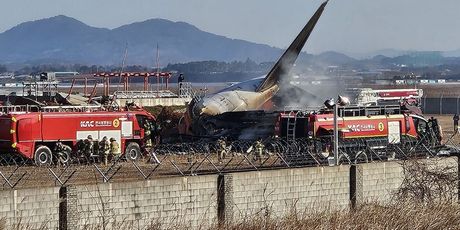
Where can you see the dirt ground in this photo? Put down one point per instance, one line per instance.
(29, 176)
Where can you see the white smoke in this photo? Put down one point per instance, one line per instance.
(308, 87)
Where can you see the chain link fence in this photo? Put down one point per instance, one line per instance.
(441, 105)
(205, 157)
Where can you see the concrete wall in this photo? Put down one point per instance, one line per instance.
(187, 201)
(201, 201)
(379, 181)
(36, 208)
(280, 191)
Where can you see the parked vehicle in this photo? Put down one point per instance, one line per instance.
(45, 136)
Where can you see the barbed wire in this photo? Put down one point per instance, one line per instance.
(202, 157)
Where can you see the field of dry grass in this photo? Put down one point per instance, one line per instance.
(398, 215)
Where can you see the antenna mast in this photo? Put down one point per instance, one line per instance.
(158, 70)
(125, 55)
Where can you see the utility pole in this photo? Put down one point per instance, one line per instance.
(336, 134)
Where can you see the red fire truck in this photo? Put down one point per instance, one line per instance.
(374, 127)
(35, 135)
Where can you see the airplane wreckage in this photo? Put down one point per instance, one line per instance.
(238, 110)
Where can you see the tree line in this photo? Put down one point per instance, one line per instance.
(196, 67)
(210, 67)
(82, 69)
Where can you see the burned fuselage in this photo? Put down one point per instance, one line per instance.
(250, 95)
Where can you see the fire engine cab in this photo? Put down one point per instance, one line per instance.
(34, 135)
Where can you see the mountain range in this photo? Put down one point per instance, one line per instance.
(64, 39)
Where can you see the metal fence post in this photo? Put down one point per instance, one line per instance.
(440, 104)
(458, 97)
(336, 135)
(424, 104)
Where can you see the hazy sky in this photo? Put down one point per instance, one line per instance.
(352, 26)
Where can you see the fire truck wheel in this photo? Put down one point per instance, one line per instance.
(42, 155)
(133, 151)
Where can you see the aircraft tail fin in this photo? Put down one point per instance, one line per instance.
(285, 63)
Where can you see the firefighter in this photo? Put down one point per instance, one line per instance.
(222, 148)
(147, 134)
(81, 148)
(89, 146)
(104, 149)
(115, 150)
(180, 79)
(259, 148)
(157, 134)
(58, 149)
(456, 118)
(436, 129)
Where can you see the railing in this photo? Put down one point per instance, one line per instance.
(35, 108)
(369, 110)
(186, 90)
(144, 94)
(87, 108)
(19, 108)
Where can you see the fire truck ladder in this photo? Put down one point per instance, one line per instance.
(291, 125)
(87, 108)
